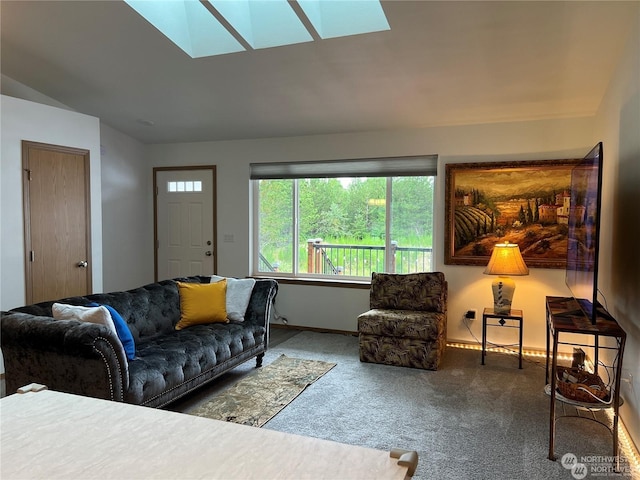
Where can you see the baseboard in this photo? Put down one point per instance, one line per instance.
(533, 352)
(312, 329)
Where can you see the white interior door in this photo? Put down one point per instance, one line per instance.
(185, 230)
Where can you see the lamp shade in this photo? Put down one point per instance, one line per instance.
(506, 260)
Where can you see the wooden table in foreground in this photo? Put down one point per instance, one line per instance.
(53, 435)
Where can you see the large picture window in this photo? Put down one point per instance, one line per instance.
(343, 218)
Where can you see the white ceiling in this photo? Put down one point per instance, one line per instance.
(442, 63)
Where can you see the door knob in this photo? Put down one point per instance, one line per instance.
(83, 264)
(208, 253)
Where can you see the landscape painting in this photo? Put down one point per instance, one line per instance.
(525, 202)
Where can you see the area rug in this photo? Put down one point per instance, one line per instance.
(258, 397)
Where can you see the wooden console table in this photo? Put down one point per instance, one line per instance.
(565, 317)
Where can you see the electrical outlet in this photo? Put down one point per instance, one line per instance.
(471, 314)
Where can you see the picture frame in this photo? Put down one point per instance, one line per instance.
(523, 202)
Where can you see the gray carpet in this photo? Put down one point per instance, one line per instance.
(466, 421)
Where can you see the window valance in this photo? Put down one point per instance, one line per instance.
(419, 165)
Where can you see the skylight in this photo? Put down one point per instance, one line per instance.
(340, 18)
(189, 25)
(196, 28)
(263, 24)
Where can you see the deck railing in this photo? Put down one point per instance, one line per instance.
(358, 260)
(361, 260)
(266, 266)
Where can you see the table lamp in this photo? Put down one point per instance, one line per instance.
(505, 260)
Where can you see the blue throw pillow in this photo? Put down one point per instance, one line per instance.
(122, 329)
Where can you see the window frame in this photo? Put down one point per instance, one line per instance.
(424, 165)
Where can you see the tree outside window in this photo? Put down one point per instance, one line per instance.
(349, 226)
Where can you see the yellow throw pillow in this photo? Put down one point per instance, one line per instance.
(202, 303)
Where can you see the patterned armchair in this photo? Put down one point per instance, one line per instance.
(407, 323)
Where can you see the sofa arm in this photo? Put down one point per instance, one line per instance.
(261, 302)
(66, 355)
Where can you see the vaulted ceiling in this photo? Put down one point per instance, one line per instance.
(442, 63)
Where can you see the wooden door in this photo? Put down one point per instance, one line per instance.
(184, 221)
(57, 221)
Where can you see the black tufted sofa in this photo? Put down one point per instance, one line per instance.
(85, 358)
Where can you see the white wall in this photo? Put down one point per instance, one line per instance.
(618, 125)
(337, 308)
(127, 213)
(25, 120)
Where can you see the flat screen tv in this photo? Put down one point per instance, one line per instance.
(583, 232)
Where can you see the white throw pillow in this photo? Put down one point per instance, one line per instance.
(239, 292)
(99, 315)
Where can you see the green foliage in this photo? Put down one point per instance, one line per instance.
(347, 212)
(276, 209)
(412, 207)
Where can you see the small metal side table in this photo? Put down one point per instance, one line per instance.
(502, 321)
